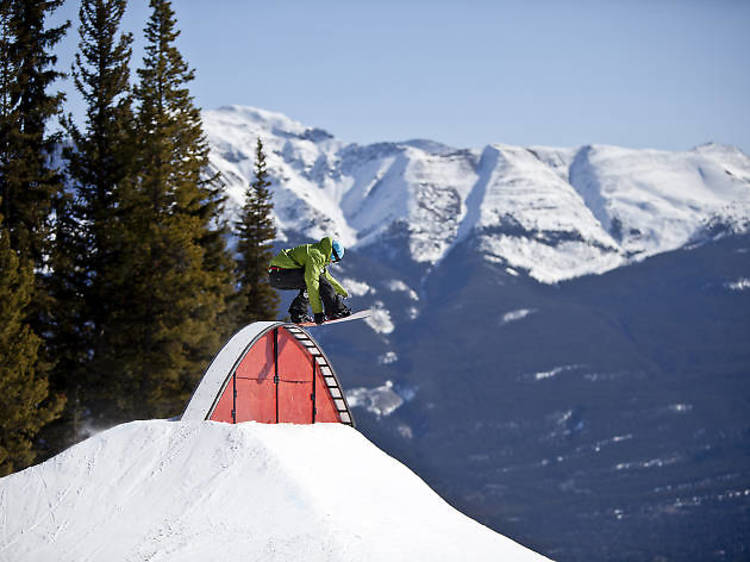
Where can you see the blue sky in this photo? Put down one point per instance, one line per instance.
(657, 74)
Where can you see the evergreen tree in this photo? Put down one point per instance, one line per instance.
(8, 69)
(100, 160)
(24, 394)
(256, 232)
(99, 165)
(174, 268)
(28, 184)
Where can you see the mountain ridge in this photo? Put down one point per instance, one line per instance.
(555, 213)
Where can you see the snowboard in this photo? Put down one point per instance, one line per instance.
(353, 316)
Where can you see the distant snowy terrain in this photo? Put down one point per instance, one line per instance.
(559, 336)
(554, 213)
(160, 490)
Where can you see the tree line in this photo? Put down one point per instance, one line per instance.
(117, 283)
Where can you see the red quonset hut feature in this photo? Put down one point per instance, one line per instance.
(270, 372)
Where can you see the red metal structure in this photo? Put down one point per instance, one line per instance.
(270, 372)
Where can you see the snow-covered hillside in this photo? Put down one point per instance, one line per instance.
(160, 490)
(555, 213)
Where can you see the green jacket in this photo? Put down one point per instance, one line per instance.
(313, 258)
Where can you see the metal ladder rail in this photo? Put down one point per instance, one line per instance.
(326, 371)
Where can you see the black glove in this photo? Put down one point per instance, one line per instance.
(320, 317)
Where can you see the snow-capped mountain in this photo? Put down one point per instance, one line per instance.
(161, 490)
(554, 213)
(558, 342)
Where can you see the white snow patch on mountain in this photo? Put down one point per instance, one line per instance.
(381, 400)
(650, 463)
(515, 315)
(388, 357)
(741, 284)
(730, 219)
(549, 263)
(554, 372)
(196, 491)
(398, 285)
(680, 408)
(405, 431)
(380, 319)
(356, 288)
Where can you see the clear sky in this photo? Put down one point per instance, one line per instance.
(658, 74)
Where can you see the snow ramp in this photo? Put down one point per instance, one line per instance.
(195, 491)
(270, 372)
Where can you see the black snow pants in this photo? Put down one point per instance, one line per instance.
(287, 279)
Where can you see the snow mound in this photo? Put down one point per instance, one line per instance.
(160, 490)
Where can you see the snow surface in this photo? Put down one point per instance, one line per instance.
(387, 358)
(160, 490)
(554, 213)
(741, 284)
(381, 400)
(515, 315)
(398, 285)
(356, 288)
(380, 319)
(541, 375)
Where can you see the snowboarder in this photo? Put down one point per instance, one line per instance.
(305, 268)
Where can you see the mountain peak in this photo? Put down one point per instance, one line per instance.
(262, 117)
(429, 146)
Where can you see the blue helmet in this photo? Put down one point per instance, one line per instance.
(338, 251)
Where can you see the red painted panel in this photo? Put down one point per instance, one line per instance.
(326, 409)
(258, 361)
(256, 392)
(256, 400)
(295, 374)
(223, 410)
(295, 402)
